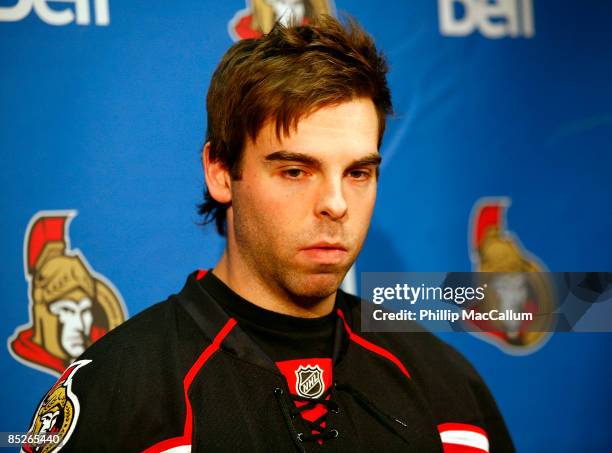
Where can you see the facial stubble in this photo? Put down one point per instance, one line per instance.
(271, 256)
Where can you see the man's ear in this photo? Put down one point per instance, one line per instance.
(217, 177)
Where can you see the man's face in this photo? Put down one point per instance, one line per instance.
(301, 210)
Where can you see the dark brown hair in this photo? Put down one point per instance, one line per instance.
(284, 75)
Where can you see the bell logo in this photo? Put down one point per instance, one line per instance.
(493, 18)
(52, 16)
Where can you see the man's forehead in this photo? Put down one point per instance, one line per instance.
(349, 128)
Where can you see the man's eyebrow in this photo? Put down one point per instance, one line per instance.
(371, 159)
(294, 157)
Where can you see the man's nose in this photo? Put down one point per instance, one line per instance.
(331, 203)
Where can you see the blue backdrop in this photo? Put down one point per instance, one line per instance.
(103, 113)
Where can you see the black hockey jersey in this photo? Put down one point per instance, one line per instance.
(182, 376)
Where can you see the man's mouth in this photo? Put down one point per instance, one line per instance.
(325, 252)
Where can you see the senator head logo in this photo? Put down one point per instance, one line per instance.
(57, 414)
(70, 305)
(259, 16)
(517, 282)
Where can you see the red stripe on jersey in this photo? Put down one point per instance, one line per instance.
(373, 347)
(165, 445)
(201, 273)
(463, 438)
(461, 427)
(185, 439)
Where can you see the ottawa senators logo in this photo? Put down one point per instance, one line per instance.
(260, 15)
(518, 284)
(71, 305)
(57, 414)
(309, 381)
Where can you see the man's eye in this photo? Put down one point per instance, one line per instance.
(294, 173)
(360, 175)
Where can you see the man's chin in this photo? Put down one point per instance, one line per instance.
(312, 287)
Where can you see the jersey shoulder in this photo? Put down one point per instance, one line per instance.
(423, 352)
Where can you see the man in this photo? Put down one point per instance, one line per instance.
(264, 353)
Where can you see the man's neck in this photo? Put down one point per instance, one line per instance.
(250, 285)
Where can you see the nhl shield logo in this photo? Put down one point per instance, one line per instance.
(309, 381)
